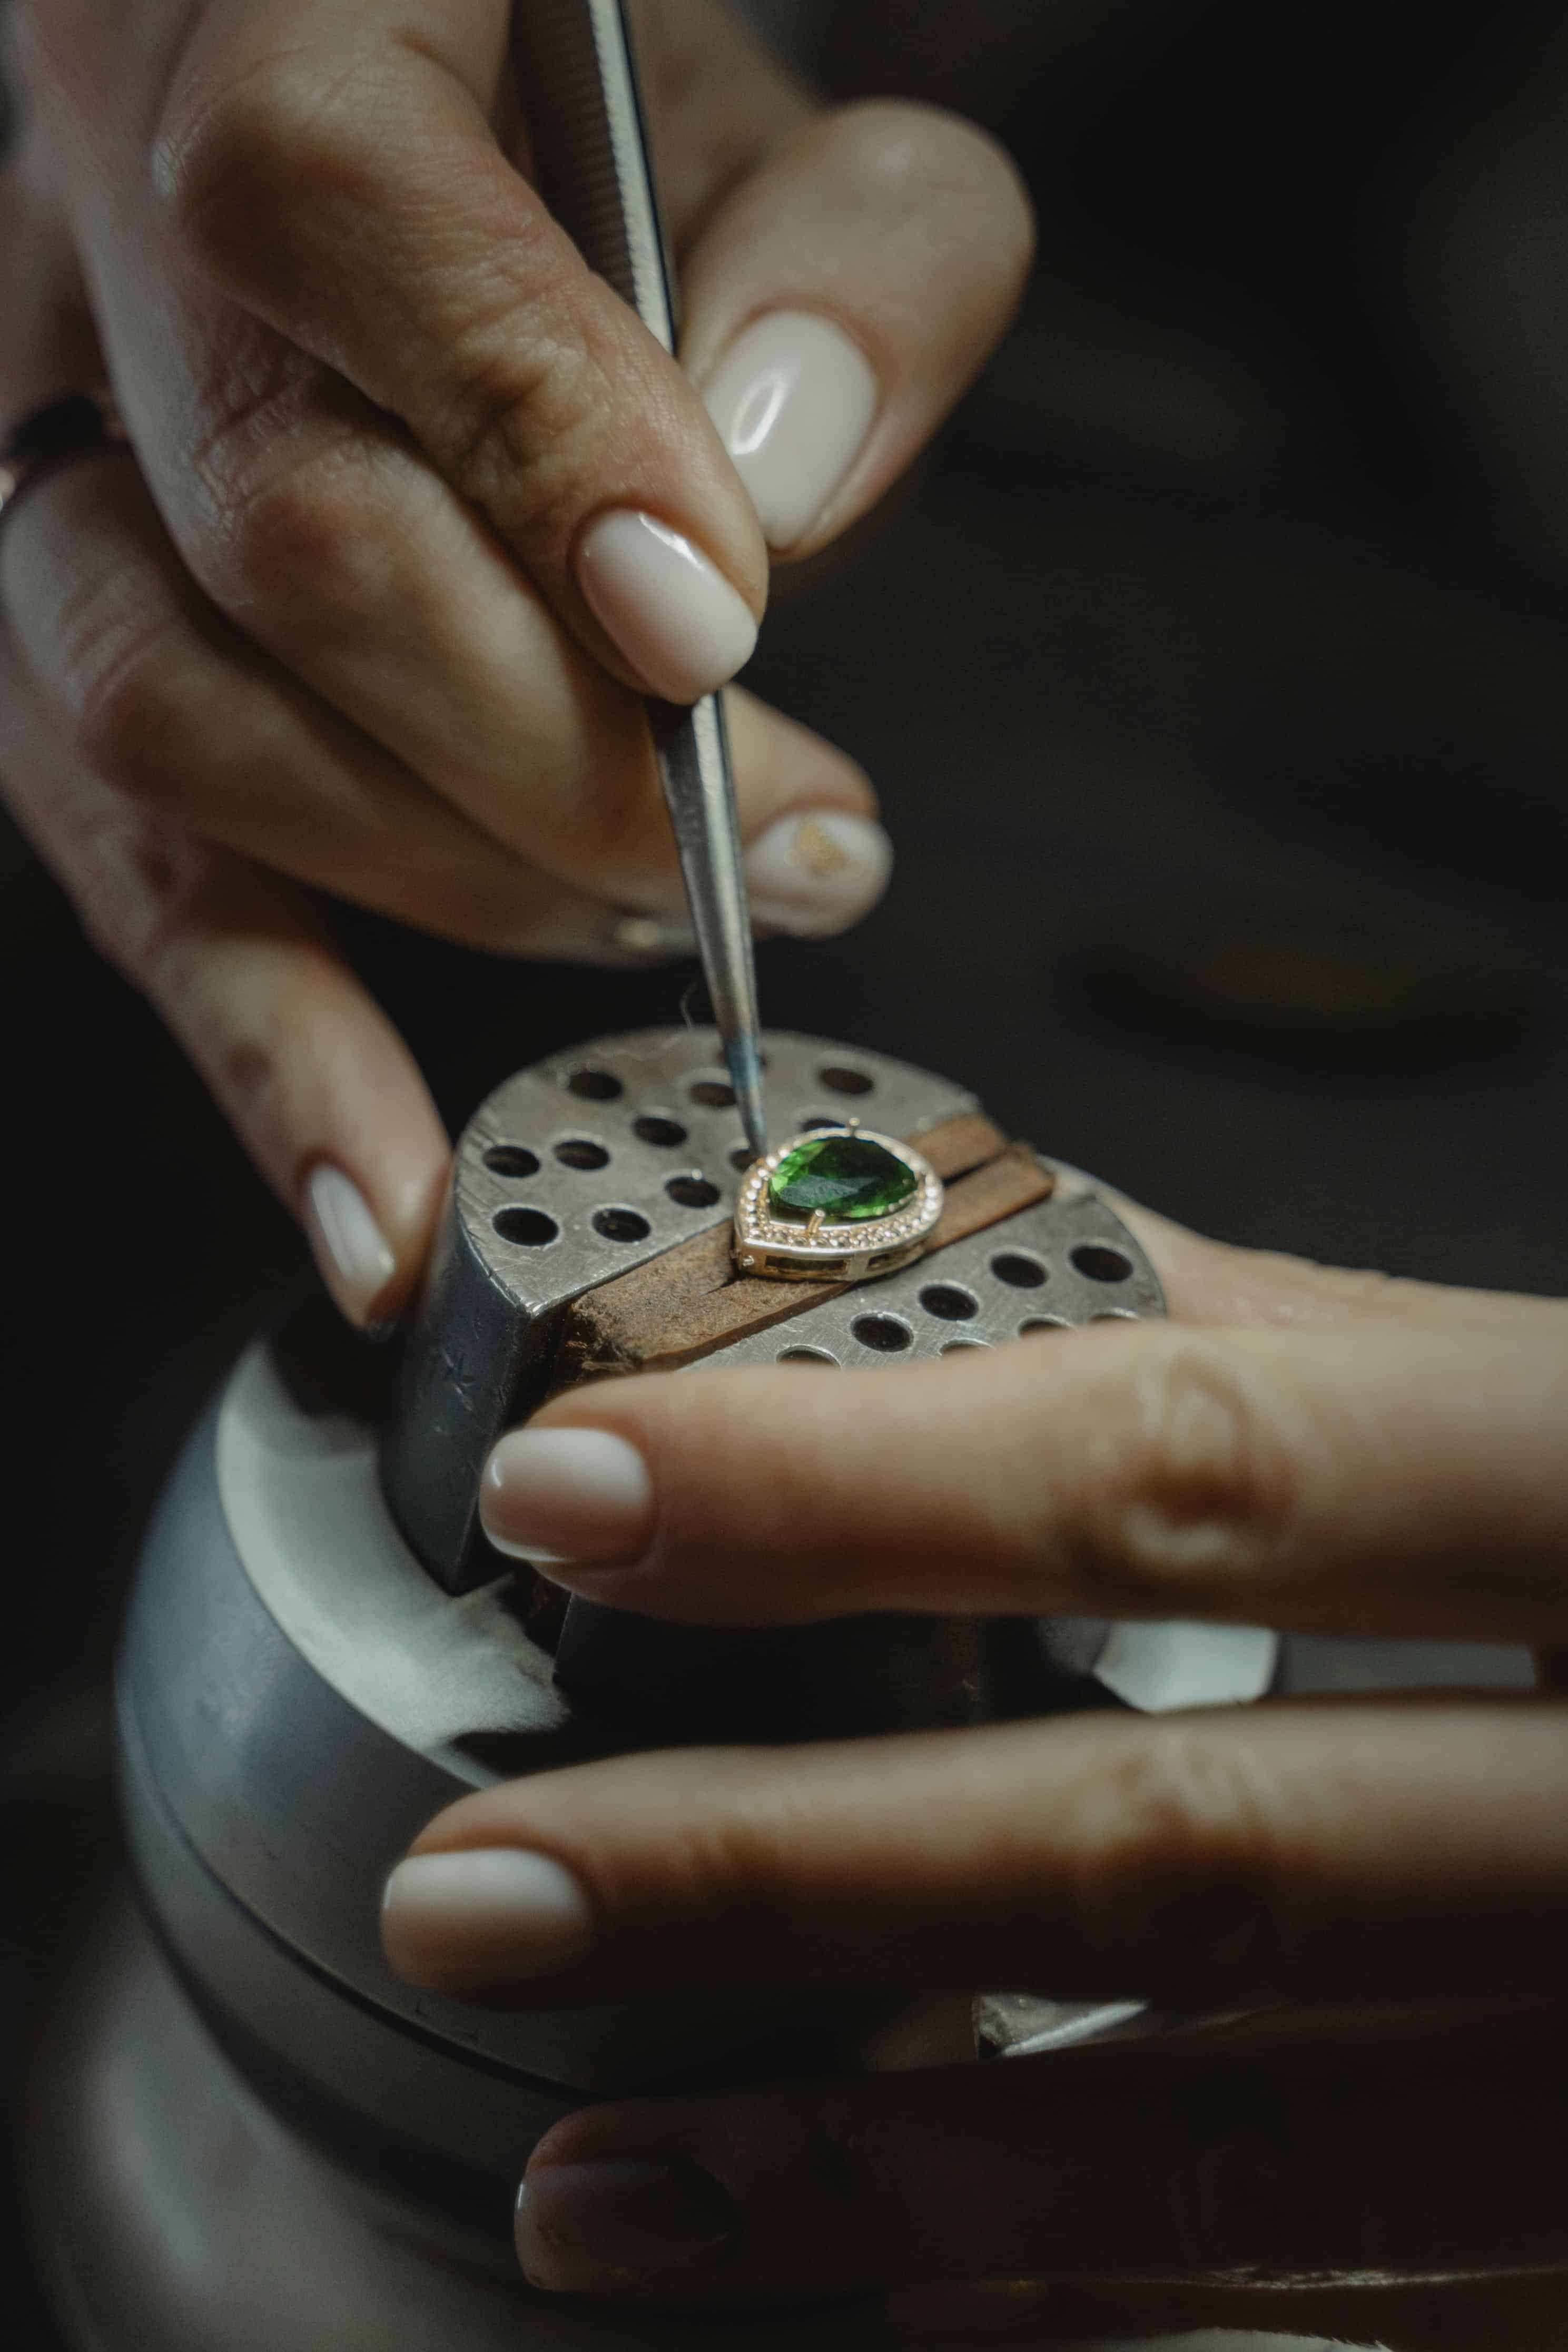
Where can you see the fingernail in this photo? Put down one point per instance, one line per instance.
(351, 1247)
(817, 873)
(566, 1495)
(794, 399)
(581, 2224)
(677, 619)
(652, 935)
(482, 1916)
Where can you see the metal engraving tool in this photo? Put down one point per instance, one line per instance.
(595, 171)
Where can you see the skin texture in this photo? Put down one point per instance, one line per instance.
(326, 634)
(1378, 2150)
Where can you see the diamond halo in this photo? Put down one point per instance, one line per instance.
(786, 1249)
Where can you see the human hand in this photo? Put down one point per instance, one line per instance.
(1380, 2150)
(372, 612)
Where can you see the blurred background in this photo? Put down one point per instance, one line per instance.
(1215, 678)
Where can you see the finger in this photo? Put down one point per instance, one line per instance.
(165, 702)
(1367, 1481)
(1214, 1282)
(316, 1082)
(1219, 1858)
(1506, 2311)
(844, 298)
(310, 516)
(1362, 2169)
(337, 174)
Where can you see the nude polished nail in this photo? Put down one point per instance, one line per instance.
(350, 1249)
(481, 1915)
(581, 2225)
(673, 613)
(794, 399)
(817, 873)
(566, 1495)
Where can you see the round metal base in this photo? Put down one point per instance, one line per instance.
(174, 2213)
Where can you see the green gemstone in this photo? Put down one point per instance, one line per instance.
(848, 1177)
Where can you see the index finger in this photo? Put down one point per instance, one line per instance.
(336, 169)
(1356, 1481)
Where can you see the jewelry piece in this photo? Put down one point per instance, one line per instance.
(80, 425)
(835, 1204)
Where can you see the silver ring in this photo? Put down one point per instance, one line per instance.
(84, 424)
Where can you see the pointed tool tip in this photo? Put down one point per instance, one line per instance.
(745, 1066)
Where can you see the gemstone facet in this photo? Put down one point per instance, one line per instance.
(847, 1177)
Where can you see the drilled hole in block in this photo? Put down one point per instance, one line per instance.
(1114, 1315)
(713, 1094)
(580, 1151)
(511, 1160)
(595, 1085)
(529, 1227)
(621, 1225)
(1019, 1271)
(885, 1333)
(692, 1192)
(948, 1303)
(807, 1356)
(1101, 1263)
(839, 1079)
(741, 1158)
(655, 1127)
(1043, 1323)
(964, 1347)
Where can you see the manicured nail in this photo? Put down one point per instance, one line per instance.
(677, 619)
(351, 1247)
(818, 873)
(793, 400)
(566, 1495)
(578, 2225)
(483, 1915)
(656, 936)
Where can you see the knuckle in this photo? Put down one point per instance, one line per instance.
(133, 721)
(1196, 1480)
(1176, 1847)
(303, 552)
(233, 173)
(517, 427)
(140, 881)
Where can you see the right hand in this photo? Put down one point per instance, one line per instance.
(371, 612)
(1377, 2152)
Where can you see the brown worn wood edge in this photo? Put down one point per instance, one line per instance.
(677, 1308)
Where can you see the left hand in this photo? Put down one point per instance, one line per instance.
(1298, 1447)
(414, 511)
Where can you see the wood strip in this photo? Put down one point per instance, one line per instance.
(959, 1144)
(679, 1308)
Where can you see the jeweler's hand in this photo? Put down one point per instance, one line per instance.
(1301, 1448)
(418, 507)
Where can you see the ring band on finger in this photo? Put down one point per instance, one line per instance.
(82, 424)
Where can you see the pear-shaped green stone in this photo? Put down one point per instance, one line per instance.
(848, 1177)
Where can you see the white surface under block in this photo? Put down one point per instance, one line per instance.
(1157, 1667)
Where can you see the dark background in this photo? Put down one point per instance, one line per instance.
(1214, 681)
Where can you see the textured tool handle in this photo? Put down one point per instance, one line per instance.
(591, 147)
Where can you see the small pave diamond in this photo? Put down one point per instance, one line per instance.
(888, 1198)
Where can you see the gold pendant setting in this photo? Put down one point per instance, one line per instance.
(835, 1204)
